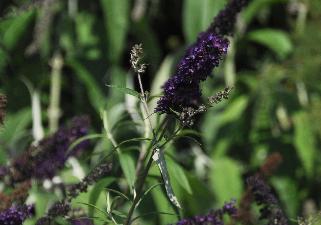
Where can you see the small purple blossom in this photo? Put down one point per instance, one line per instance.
(182, 90)
(213, 218)
(16, 215)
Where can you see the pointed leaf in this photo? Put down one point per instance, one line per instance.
(116, 17)
(125, 90)
(127, 164)
(276, 40)
(305, 142)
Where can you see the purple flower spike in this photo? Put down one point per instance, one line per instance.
(182, 90)
(213, 218)
(52, 152)
(16, 215)
(224, 22)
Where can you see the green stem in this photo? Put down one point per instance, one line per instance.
(142, 173)
(140, 186)
(301, 18)
(54, 110)
(230, 65)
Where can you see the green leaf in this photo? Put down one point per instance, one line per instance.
(178, 174)
(288, 192)
(162, 204)
(276, 40)
(254, 8)
(198, 15)
(125, 90)
(15, 29)
(218, 118)
(95, 94)
(305, 142)
(159, 159)
(116, 18)
(15, 126)
(97, 190)
(226, 180)
(127, 164)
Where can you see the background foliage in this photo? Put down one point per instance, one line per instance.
(274, 65)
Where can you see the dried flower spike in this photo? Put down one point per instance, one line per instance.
(219, 96)
(136, 55)
(96, 174)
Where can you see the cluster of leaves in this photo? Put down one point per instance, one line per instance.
(63, 54)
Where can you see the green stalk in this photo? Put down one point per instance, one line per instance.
(230, 73)
(55, 89)
(301, 18)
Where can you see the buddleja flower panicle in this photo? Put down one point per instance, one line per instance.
(215, 217)
(264, 197)
(16, 215)
(96, 174)
(43, 161)
(183, 90)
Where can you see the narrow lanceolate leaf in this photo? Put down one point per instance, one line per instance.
(125, 90)
(159, 158)
(116, 18)
(305, 142)
(127, 164)
(276, 40)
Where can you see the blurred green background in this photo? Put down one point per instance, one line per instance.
(274, 65)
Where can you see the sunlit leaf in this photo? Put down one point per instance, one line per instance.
(226, 180)
(125, 90)
(276, 40)
(116, 18)
(177, 173)
(305, 142)
(97, 190)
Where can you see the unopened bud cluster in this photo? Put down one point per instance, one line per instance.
(219, 96)
(136, 55)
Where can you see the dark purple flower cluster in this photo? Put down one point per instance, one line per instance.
(60, 208)
(224, 22)
(183, 90)
(213, 218)
(44, 160)
(264, 197)
(16, 214)
(96, 174)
